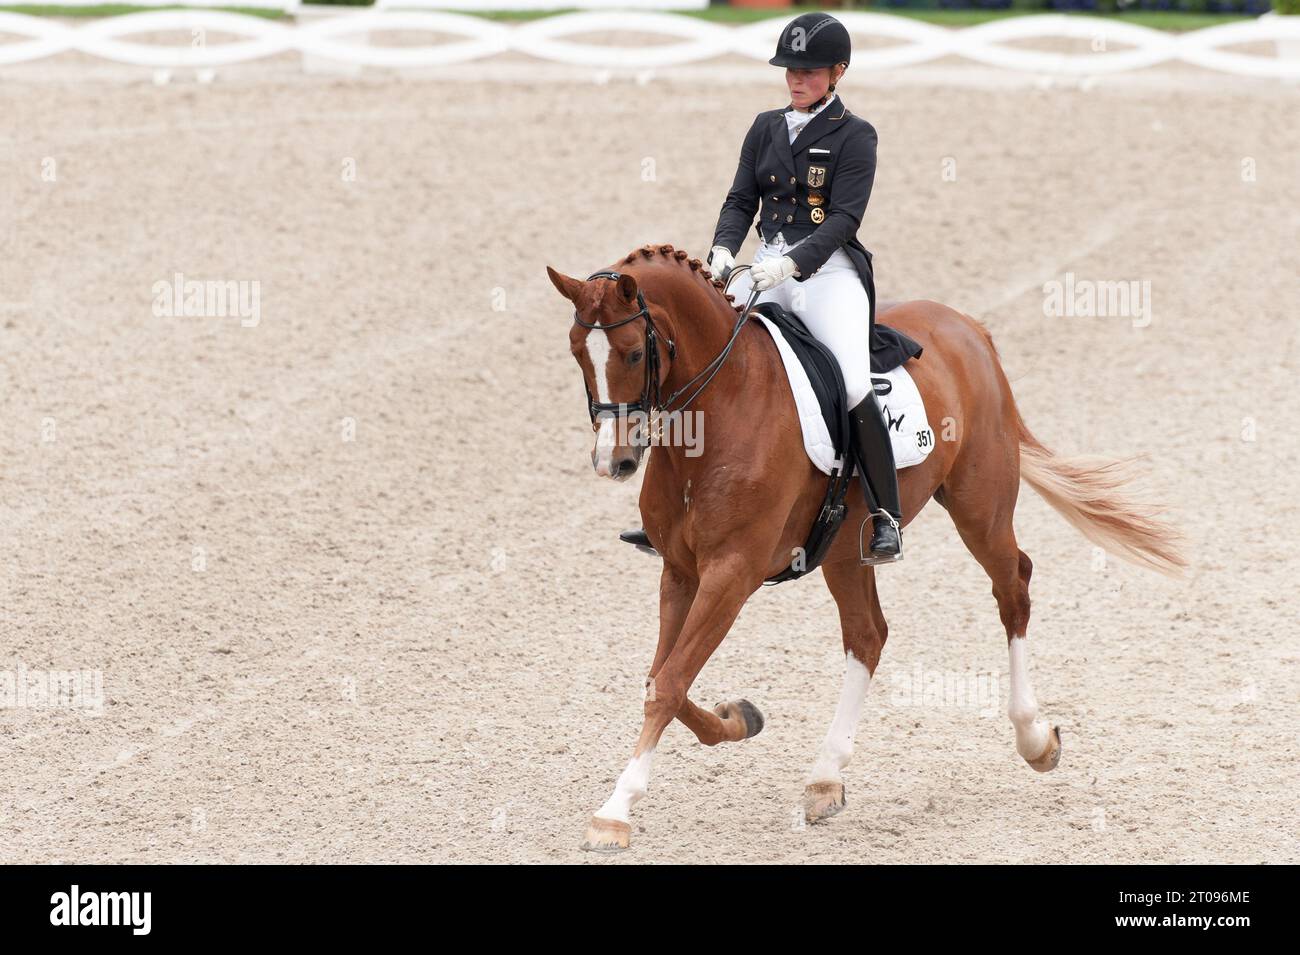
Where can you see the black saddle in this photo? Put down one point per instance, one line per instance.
(889, 349)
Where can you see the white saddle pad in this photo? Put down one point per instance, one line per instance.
(896, 394)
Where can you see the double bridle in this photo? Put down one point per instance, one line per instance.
(650, 402)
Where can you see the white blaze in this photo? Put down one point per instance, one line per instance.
(598, 349)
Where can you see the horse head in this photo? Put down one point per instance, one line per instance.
(623, 363)
(625, 343)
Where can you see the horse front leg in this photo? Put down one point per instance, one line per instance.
(723, 588)
(728, 722)
(676, 593)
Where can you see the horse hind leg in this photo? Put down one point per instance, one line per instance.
(863, 632)
(985, 528)
(1036, 741)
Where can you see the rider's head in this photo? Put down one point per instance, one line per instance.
(814, 48)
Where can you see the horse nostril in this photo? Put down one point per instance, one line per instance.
(626, 467)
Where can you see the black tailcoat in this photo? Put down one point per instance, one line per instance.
(830, 166)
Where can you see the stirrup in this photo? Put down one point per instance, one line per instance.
(870, 558)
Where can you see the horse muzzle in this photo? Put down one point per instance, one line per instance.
(616, 463)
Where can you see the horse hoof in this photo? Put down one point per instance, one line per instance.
(822, 800)
(746, 712)
(607, 835)
(1051, 756)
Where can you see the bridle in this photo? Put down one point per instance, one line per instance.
(651, 403)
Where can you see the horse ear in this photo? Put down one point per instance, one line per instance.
(627, 287)
(568, 287)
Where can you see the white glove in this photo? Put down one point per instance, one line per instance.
(772, 272)
(720, 259)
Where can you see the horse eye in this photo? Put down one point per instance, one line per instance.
(635, 357)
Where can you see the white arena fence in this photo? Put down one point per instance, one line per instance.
(481, 6)
(1120, 46)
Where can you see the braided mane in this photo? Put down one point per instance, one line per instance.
(667, 252)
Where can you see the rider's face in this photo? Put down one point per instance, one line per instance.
(808, 86)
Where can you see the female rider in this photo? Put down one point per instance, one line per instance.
(807, 171)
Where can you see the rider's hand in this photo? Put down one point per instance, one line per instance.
(720, 259)
(772, 272)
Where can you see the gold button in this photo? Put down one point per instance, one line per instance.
(789, 218)
(793, 180)
(774, 179)
(794, 199)
(773, 215)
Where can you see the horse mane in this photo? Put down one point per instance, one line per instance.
(666, 253)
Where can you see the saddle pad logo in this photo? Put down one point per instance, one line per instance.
(816, 176)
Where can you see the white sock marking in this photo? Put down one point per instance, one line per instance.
(837, 748)
(631, 786)
(1031, 732)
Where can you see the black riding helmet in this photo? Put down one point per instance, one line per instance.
(811, 41)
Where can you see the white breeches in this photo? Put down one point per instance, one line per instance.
(834, 306)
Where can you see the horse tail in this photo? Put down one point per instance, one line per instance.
(1086, 491)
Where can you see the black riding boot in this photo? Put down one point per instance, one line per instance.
(880, 480)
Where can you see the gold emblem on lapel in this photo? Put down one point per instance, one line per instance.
(815, 198)
(816, 176)
(818, 215)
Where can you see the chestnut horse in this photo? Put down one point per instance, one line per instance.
(726, 519)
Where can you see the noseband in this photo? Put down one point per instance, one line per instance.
(650, 401)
